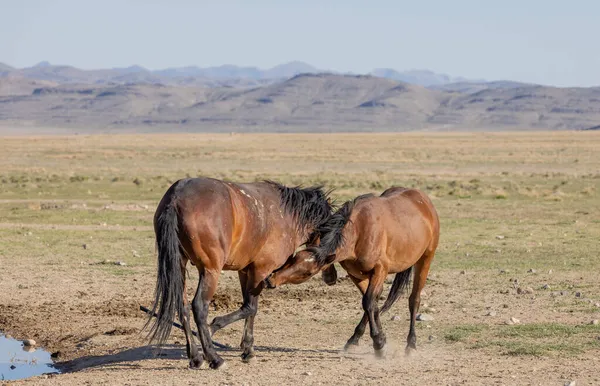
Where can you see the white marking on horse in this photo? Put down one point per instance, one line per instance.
(299, 249)
(245, 194)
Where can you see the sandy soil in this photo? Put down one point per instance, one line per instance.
(539, 190)
(94, 322)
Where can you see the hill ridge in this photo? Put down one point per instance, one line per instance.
(313, 102)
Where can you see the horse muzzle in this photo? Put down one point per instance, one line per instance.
(269, 283)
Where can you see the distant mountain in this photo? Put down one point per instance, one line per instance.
(421, 77)
(14, 86)
(132, 69)
(5, 68)
(294, 96)
(306, 102)
(225, 74)
(288, 70)
(474, 86)
(317, 101)
(282, 71)
(45, 63)
(219, 75)
(531, 106)
(60, 74)
(176, 72)
(229, 71)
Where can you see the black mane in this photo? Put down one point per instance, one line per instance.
(331, 232)
(309, 206)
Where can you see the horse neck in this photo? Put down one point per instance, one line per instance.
(346, 249)
(302, 234)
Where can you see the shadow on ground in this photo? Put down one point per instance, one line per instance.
(128, 357)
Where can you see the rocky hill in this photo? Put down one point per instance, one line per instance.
(305, 102)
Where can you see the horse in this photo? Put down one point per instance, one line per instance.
(370, 237)
(217, 225)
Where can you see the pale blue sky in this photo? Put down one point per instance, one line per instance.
(543, 41)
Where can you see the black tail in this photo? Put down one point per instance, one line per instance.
(169, 292)
(400, 283)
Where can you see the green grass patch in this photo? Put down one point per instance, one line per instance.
(539, 349)
(534, 339)
(55, 246)
(545, 330)
(71, 215)
(463, 332)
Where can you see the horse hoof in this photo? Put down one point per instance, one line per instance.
(217, 364)
(349, 347)
(409, 351)
(195, 364)
(248, 357)
(330, 280)
(380, 354)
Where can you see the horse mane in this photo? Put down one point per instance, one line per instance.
(331, 232)
(309, 206)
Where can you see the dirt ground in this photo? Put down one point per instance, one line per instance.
(515, 247)
(300, 331)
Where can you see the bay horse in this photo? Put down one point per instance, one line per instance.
(370, 237)
(216, 225)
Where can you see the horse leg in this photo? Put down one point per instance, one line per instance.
(190, 345)
(362, 325)
(414, 301)
(370, 306)
(221, 321)
(204, 294)
(253, 290)
(329, 275)
(247, 344)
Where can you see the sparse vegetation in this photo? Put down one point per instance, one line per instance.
(528, 220)
(535, 339)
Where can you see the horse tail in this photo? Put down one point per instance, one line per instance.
(401, 281)
(169, 291)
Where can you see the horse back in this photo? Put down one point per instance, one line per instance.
(405, 197)
(232, 222)
(400, 218)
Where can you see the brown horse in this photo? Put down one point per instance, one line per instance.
(370, 237)
(215, 225)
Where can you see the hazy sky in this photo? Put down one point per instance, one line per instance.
(544, 41)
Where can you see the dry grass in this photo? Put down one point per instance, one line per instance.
(538, 191)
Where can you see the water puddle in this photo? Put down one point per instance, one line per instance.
(18, 361)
